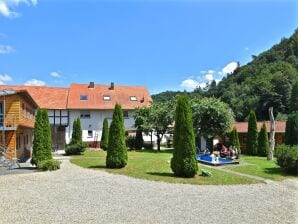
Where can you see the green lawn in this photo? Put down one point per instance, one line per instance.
(260, 166)
(154, 165)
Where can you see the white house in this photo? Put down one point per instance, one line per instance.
(89, 102)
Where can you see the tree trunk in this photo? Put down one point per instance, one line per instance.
(272, 135)
(151, 134)
(158, 143)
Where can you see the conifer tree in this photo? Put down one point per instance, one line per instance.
(291, 135)
(47, 142)
(294, 98)
(105, 134)
(252, 135)
(183, 162)
(117, 152)
(263, 144)
(74, 132)
(38, 146)
(79, 139)
(237, 142)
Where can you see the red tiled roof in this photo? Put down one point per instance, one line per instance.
(45, 97)
(280, 126)
(120, 94)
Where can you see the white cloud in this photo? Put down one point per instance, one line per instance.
(230, 68)
(55, 74)
(35, 82)
(5, 78)
(209, 77)
(6, 49)
(246, 49)
(7, 7)
(189, 84)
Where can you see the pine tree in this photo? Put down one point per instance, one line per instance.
(105, 135)
(184, 163)
(139, 139)
(237, 142)
(234, 140)
(291, 135)
(263, 144)
(47, 142)
(117, 152)
(252, 135)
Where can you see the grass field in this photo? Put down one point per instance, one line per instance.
(152, 165)
(260, 166)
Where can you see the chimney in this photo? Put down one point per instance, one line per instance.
(112, 86)
(91, 85)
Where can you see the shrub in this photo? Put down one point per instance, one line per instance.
(105, 135)
(76, 137)
(117, 152)
(252, 135)
(263, 144)
(50, 164)
(75, 149)
(291, 135)
(184, 162)
(148, 146)
(287, 158)
(131, 142)
(139, 139)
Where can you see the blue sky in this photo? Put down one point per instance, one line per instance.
(162, 44)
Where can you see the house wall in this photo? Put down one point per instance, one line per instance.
(94, 123)
(12, 110)
(24, 142)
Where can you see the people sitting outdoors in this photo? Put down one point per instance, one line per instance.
(230, 152)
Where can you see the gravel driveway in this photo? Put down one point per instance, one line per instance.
(77, 195)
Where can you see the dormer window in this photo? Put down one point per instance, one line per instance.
(106, 98)
(133, 98)
(83, 97)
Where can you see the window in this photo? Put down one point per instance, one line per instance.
(83, 97)
(106, 98)
(133, 98)
(90, 134)
(125, 114)
(85, 115)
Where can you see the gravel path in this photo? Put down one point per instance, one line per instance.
(77, 195)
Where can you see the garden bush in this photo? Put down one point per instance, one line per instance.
(50, 164)
(287, 158)
(291, 135)
(131, 142)
(148, 146)
(75, 149)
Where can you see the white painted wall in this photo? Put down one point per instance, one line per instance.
(94, 123)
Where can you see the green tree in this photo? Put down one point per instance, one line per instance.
(234, 139)
(42, 138)
(117, 152)
(211, 117)
(105, 135)
(237, 143)
(294, 98)
(160, 117)
(184, 163)
(76, 137)
(291, 135)
(252, 135)
(263, 144)
(47, 142)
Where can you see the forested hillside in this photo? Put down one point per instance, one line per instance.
(266, 81)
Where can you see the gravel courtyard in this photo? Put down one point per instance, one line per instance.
(77, 195)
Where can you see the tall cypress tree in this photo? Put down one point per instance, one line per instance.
(184, 163)
(47, 142)
(291, 135)
(117, 152)
(105, 134)
(263, 144)
(38, 146)
(79, 139)
(237, 141)
(74, 132)
(232, 137)
(294, 98)
(252, 135)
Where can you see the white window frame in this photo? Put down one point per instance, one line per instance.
(106, 98)
(133, 98)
